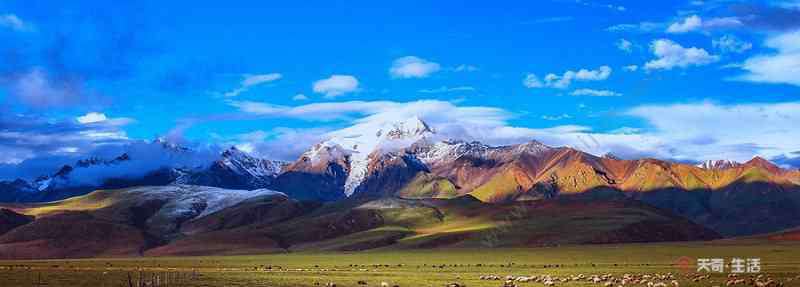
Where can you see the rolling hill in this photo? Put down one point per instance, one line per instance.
(192, 220)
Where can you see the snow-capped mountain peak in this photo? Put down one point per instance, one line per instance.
(362, 140)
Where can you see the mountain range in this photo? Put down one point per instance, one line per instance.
(232, 169)
(394, 185)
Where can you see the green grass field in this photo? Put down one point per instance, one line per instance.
(404, 268)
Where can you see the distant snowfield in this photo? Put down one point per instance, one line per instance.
(190, 201)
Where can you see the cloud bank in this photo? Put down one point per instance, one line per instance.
(686, 132)
(779, 67)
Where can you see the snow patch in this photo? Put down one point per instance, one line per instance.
(187, 200)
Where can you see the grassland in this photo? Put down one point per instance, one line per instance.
(405, 268)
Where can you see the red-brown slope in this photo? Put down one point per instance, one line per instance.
(71, 235)
(319, 174)
(790, 235)
(736, 199)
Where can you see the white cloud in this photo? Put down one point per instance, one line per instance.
(595, 93)
(15, 23)
(257, 135)
(731, 44)
(631, 68)
(556, 117)
(412, 67)
(625, 45)
(722, 23)
(445, 89)
(694, 23)
(642, 27)
(253, 80)
(280, 143)
(336, 85)
(670, 55)
(626, 130)
(565, 80)
(780, 67)
(465, 68)
(532, 81)
(300, 97)
(91, 117)
(600, 74)
(690, 23)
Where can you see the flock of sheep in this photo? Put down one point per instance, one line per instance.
(609, 280)
(648, 280)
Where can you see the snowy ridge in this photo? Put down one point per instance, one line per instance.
(242, 163)
(450, 150)
(531, 147)
(446, 151)
(718, 164)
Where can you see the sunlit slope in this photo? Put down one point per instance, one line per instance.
(739, 199)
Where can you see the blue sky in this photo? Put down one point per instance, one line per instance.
(684, 80)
